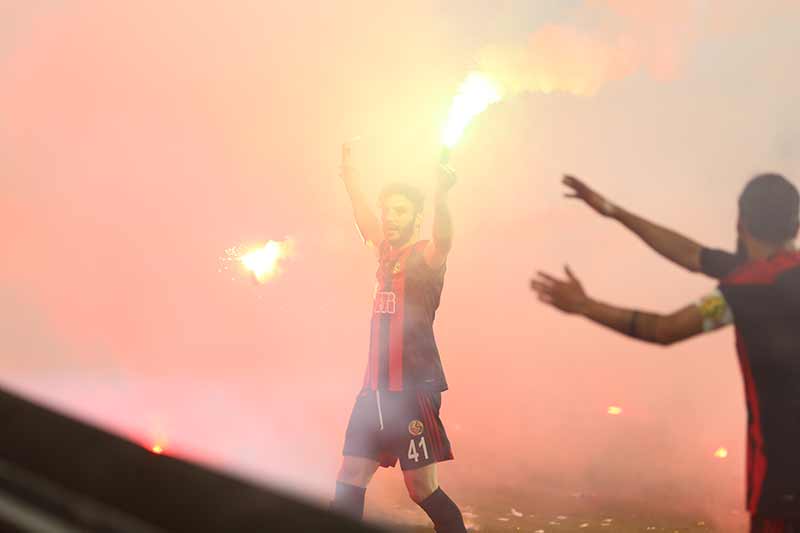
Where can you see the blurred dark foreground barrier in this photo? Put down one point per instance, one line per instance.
(60, 475)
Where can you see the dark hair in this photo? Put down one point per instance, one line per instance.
(769, 208)
(413, 194)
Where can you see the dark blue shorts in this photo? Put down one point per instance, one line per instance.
(386, 426)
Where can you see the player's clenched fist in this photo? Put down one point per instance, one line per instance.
(346, 170)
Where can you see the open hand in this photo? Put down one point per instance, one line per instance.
(583, 192)
(568, 296)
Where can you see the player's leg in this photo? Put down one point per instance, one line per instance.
(351, 485)
(357, 471)
(422, 443)
(423, 487)
(421, 482)
(360, 457)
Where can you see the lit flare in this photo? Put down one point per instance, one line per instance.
(476, 93)
(264, 262)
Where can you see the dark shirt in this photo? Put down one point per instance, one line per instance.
(764, 297)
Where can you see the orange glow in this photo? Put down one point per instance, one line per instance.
(264, 262)
(157, 448)
(614, 410)
(721, 453)
(475, 94)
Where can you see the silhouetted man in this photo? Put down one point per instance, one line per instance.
(758, 293)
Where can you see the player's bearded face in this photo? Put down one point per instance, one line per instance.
(399, 219)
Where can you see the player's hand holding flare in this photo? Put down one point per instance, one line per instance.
(445, 179)
(567, 296)
(581, 191)
(347, 171)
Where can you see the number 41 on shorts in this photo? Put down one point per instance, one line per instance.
(413, 448)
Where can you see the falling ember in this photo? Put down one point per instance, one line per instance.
(721, 453)
(614, 410)
(475, 94)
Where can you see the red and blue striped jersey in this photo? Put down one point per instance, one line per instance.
(402, 351)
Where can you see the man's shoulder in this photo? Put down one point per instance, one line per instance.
(767, 271)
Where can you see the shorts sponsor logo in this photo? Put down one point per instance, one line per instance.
(416, 428)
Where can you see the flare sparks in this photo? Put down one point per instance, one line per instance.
(264, 262)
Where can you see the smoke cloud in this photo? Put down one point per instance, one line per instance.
(140, 140)
(608, 40)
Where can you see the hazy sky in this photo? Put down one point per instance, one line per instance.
(139, 140)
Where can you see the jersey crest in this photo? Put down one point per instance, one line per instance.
(416, 427)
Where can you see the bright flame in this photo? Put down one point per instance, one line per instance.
(721, 453)
(263, 262)
(614, 410)
(475, 94)
(157, 448)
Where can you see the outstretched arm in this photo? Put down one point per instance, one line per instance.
(367, 222)
(674, 246)
(568, 296)
(437, 249)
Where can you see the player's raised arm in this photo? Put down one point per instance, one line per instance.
(674, 246)
(367, 222)
(437, 249)
(710, 313)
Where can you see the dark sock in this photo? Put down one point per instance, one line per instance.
(444, 513)
(349, 500)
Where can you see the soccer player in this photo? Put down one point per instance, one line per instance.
(396, 414)
(759, 294)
